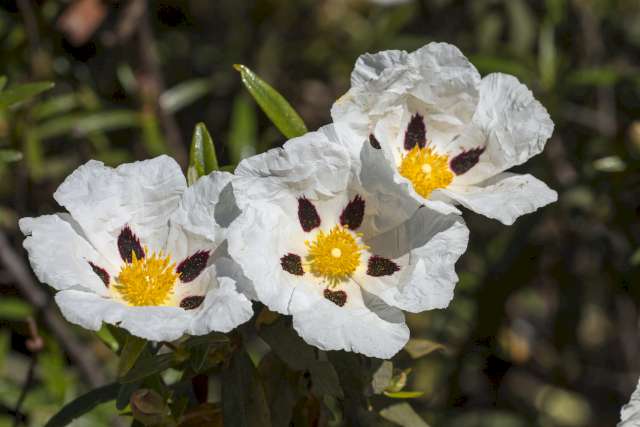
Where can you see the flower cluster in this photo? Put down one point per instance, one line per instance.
(344, 228)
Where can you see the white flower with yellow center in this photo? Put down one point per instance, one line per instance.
(311, 240)
(448, 134)
(137, 250)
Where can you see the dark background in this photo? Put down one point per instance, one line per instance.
(544, 326)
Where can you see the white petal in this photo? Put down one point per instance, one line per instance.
(630, 413)
(222, 310)
(371, 66)
(353, 327)
(426, 248)
(505, 197)
(512, 124)
(60, 256)
(142, 194)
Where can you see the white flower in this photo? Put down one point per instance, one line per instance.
(448, 134)
(137, 250)
(630, 413)
(309, 239)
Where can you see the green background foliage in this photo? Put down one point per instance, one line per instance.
(543, 329)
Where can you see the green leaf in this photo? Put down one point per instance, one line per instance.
(243, 134)
(81, 124)
(14, 309)
(152, 135)
(382, 377)
(3, 82)
(185, 93)
(54, 106)
(243, 399)
(124, 395)
(279, 111)
(403, 414)
(131, 351)
(288, 345)
(202, 155)
(404, 394)
(419, 347)
(147, 366)
(10, 156)
(198, 357)
(83, 405)
(609, 164)
(547, 57)
(20, 93)
(107, 338)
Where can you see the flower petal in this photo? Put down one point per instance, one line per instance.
(504, 197)
(60, 256)
(141, 195)
(630, 413)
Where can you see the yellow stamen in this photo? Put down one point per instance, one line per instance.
(147, 281)
(426, 170)
(334, 255)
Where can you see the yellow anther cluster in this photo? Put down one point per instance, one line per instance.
(147, 281)
(334, 255)
(426, 170)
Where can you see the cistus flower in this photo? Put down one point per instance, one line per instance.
(630, 413)
(448, 134)
(136, 249)
(309, 240)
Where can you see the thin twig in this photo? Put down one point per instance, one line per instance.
(35, 345)
(84, 360)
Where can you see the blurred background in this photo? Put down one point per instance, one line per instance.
(543, 330)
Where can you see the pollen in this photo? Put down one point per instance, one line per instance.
(426, 170)
(147, 281)
(335, 256)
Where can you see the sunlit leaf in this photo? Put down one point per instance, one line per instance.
(131, 351)
(279, 111)
(420, 347)
(107, 338)
(83, 404)
(21, 93)
(244, 130)
(609, 164)
(404, 394)
(14, 309)
(202, 155)
(382, 377)
(403, 415)
(184, 94)
(10, 156)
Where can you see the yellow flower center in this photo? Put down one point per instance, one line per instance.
(335, 255)
(147, 281)
(426, 170)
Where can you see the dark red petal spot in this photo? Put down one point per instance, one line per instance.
(292, 263)
(192, 302)
(374, 141)
(101, 272)
(192, 266)
(379, 266)
(416, 133)
(465, 160)
(128, 243)
(309, 218)
(339, 298)
(352, 214)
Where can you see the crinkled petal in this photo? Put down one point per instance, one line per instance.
(510, 122)
(376, 330)
(504, 197)
(141, 194)
(630, 413)
(60, 256)
(426, 249)
(223, 309)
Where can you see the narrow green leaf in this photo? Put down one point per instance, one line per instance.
(107, 338)
(54, 106)
(148, 366)
(202, 155)
(279, 111)
(547, 58)
(243, 134)
(10, 156)
(83, 405)
(81, 124)
(20, 93)
(198, 357)
(185, 93)
(131, 351)
(152, 135)
(288, 345)
(3, 82)
(14, 309)
(404, 394)
(124, 395)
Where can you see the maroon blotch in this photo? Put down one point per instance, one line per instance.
(128, 243)
(292, 263)
(192, 266)
(379, 266)
(353, 213)
(416, 133)
(307, 214)
(465, 160)
(339, 298)
(102, 273)
(374, 141)
(192, 302)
